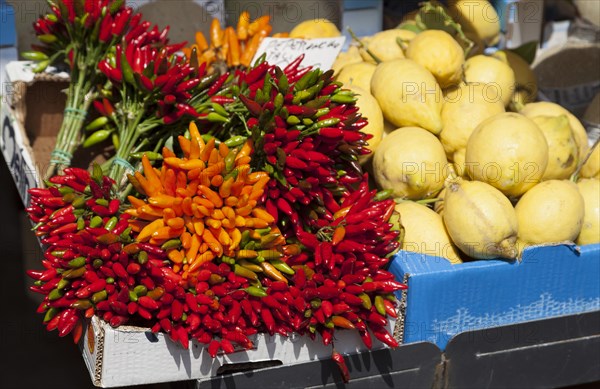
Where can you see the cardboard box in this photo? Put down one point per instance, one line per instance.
(443, 300)
(132, 355)
(31, 113)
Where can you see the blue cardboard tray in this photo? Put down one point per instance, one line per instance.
(443, 300)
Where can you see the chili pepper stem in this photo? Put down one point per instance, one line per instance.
(79, 96)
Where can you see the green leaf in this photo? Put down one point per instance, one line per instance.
(526, 51)
(410, 26)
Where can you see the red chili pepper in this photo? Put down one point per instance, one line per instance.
(218, 84)
(384, 336)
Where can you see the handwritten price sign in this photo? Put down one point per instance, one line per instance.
(319, 53)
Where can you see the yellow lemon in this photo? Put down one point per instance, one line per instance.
(408, 94)
(550, 212)
(463, 110)
(385, 44)
(357, 74)
(410, 161)
(346, 58)
(562, 148)
(480, 220)
(590, 231)
(478, 17)
(591, 168)
(525, 80)
(509, 152)
(439, 53)
(546, 108)
(424, 232)
(370, 110)
(497, 77)
(315, 28)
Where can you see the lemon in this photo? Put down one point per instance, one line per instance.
(547, 108)
(439, 53)
(385, 45)
(357, 74)
(496, 76)
(509, 152)
(526, 82)
(408, 94)
(550, 212)
(315, 28)
(424, 232)
(478, 17)
(458, 159)
(410, 161)
(480, 220)
(590, 230)
(346, 58)
(562, 149)
(438, 206)
(370, 110)
(464, 108)
(591, 168)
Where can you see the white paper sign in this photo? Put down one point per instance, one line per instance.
(319, 53)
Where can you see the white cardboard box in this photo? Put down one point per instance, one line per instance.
(132, 355)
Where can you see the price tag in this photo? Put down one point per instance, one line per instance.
(319, 53)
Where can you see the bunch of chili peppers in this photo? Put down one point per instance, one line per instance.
(149, 89)
(79, 33)
(297, 131)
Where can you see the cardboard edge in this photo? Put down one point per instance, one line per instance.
(402, 304)
(99, 341)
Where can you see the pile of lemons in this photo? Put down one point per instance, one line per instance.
(479, 169)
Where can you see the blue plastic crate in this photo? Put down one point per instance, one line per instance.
(443, 300)
(7, 25)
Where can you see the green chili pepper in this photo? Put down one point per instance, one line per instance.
(110, 280)
(246, 273)
(50, 313)
(34, 55)
(133, 296)
(78, 202)
(343, 98)
(115, 140)
(99, 296)
(80, 224)
(40, 66)
(216, 118)
(142, 257)
(96, 137)
(111, 223)
(127, 70)
(366, 300)
(97, 263)
(96, 222)
(379, 305)
(47, 38)
(125, 234)
(235, 141)
(330, 122)
(256, 291)
(383, 194)
(283, 84)
(102, 201)
(76, 263)
(62, 284)
(140, 290)
(218, 108)
(171, 244)
(97, 123)
(282, 266)
(292, 120)
(55, 294)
